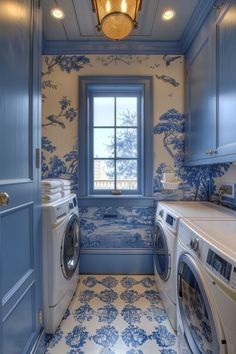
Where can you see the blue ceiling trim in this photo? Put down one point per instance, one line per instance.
(196, 21)
(109, 47)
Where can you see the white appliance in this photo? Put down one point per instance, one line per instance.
(61, 233)
(165, 244)
(206, 285)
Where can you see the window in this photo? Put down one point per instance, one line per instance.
(115, 122)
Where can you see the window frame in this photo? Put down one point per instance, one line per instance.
(118, 91)
(87, 84)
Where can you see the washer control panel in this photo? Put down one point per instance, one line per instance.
(166, 217)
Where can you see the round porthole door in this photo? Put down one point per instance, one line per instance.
(161, 252)
(70, 247)
(195, 309)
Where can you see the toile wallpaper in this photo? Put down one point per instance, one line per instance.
(132, 227)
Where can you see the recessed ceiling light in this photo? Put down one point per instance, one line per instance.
(57, 13)
(168, 15)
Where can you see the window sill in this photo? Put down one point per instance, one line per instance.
(116, 200)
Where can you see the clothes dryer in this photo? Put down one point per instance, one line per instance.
(167, 219)
(206, 286)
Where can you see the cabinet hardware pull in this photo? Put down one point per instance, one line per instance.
(208, 152)
(211, 152)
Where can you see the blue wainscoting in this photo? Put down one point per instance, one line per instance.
(114, 261)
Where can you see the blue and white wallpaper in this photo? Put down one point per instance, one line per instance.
(131, 227)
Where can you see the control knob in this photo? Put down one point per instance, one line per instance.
(194, 244)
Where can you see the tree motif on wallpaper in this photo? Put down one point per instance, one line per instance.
(66, 112)
(66, 63)
(56, 166)
(199, 178)
(50, 148)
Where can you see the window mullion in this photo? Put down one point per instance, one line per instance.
(115, 145)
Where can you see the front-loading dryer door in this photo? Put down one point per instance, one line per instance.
(70, 247)
(161, 252)
(195, 310)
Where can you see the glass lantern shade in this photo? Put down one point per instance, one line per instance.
(116, 18)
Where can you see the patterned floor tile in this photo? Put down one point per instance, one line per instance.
(114, 315)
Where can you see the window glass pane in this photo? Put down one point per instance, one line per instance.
(103, 142)
(126, 142)
(126, 171)
(104, 171)
(103, 111)
(126, 111)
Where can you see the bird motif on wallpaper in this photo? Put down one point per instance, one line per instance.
(169, 59)
(168, 79)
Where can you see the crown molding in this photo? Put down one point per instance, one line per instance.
(195, 23)
(110, 47)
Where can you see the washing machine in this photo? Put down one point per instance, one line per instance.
(206, 286)
(167, 219)
(61, 237)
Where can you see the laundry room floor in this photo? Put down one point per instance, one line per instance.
(114, 315)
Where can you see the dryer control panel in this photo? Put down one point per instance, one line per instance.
(219, 264)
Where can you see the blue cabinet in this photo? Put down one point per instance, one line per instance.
(200, 127)
(225, 35)
(211, 90)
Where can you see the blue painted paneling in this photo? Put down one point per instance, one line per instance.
(210, 91)
(14, 240)
(226, 89)
(200, 127)
(107, 263)
(19, 137)
(17, 336)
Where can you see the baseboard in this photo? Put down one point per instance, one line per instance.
(116, 261)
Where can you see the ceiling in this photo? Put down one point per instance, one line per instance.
(77, 31)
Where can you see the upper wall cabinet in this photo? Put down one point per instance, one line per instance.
(211, 90)
(225, 34)
(200, 113)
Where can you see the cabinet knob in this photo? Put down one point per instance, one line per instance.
(4, 199)
(211, 152)
(208, 152)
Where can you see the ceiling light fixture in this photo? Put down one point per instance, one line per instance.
(168, 15)
(116, 18)
(57, 13)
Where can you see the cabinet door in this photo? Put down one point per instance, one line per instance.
(19, 177)
(226, 82)
(200, 126)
